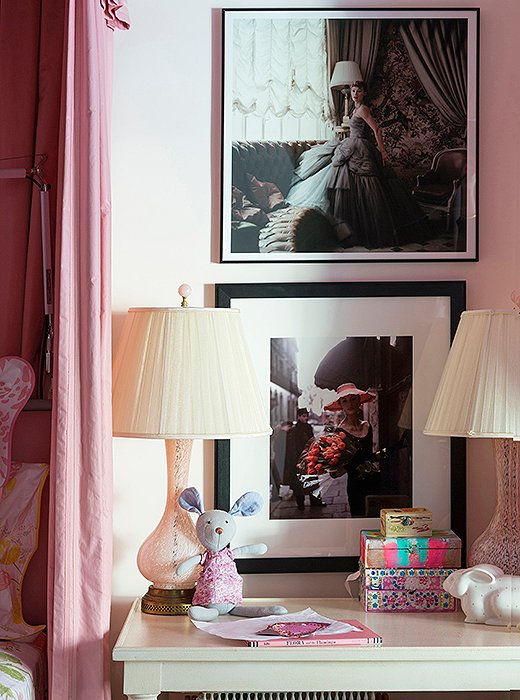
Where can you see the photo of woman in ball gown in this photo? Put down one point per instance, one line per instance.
(350, 181)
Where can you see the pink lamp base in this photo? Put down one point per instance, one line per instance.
(173, 541)
(499, 544)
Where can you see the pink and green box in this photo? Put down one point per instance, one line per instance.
(441, 550)
(405, 590)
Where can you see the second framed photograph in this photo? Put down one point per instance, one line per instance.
(350, 135)
(348, 372)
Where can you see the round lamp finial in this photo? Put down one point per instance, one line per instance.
(185, 291)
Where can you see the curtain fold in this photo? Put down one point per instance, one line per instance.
(351, 41)
(438, 52)
(80, 542)
(116, 14)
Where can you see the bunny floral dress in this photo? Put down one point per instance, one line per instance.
(219, 581)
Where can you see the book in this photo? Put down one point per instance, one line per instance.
(364, 636)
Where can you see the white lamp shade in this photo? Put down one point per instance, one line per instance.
(345, 73)
(479, 391)
(185, 373)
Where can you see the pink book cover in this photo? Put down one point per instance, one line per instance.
(364, 636)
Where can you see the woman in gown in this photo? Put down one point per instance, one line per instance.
(364, 192)
(350, 178)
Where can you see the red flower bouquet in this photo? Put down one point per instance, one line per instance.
(328, 458)
(320, 461)
(324, 454)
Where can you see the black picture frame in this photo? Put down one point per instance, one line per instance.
(408, 297)
(423, 133)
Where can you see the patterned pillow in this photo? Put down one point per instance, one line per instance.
(243, 210)
(16, 385)
(23, 669)
(266, 195)
(19, 524)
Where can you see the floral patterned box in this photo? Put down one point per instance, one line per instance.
(442, 549)
(405, 590)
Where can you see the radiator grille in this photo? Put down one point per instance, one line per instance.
(347, 695)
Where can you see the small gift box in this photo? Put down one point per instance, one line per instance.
(406, 522)
(405, 590)
(442, 549)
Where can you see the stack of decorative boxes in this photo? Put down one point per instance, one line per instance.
(403, 566)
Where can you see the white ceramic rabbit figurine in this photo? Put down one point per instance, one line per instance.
(486, 594)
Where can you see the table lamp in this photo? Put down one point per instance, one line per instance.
(180, 374)
(344, 74)
(479, 396)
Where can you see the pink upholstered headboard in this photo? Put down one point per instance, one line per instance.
(31, 443)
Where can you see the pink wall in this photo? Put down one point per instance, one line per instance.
(178, 202)
(166, 164)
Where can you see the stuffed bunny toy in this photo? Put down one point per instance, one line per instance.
(219, 587)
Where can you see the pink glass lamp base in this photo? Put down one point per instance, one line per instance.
(499, 544)
(173, 540)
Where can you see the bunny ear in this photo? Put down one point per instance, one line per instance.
(484, 573)
(248, 504)
(191, 500)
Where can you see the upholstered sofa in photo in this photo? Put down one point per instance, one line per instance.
(262, 221)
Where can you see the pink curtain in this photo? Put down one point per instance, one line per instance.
(80, 543)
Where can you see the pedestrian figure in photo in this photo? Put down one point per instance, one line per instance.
(297, 438)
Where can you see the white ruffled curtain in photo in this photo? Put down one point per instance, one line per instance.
(280, 69)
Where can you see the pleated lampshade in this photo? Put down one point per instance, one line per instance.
(479, 391)
(345, 73)
(185, 373)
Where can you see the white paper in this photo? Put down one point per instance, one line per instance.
(248, 627)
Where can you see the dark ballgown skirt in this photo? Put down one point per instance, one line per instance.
(368, 198)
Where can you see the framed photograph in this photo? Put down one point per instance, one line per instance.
(350, 135)
(349, 371)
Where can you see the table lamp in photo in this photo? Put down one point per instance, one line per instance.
(181, 374)
(344, 74)
(479, 397)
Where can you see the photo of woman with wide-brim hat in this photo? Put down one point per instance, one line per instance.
(348, 448)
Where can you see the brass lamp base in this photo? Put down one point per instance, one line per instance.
(166, 601)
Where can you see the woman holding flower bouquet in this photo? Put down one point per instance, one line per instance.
(345, 449)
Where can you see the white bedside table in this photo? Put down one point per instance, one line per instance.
(420, 651)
